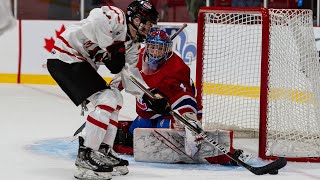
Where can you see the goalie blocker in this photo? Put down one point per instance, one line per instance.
(167, 146)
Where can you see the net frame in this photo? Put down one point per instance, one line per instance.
(264, 87)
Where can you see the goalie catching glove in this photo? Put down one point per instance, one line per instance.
(160, 104)
(116, 60)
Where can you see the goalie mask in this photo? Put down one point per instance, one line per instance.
(158, 50)
(142, 15)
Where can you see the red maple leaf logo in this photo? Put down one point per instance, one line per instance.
(62, 29)
(49, 42)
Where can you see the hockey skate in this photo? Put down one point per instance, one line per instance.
(120, 166)
(90, 165)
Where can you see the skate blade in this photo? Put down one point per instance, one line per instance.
(86, 174)
(120, 171)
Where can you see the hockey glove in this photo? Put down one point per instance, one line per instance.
(117, 60)
(160, 104)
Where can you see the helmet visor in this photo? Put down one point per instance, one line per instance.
(149, 65)
(155, 55)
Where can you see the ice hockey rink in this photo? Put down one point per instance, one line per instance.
(37, 123)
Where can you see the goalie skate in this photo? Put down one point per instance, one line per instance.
(90, 165)
(120, 166)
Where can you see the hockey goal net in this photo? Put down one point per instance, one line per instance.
(258, 74)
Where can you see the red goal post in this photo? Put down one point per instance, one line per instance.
(258, 74)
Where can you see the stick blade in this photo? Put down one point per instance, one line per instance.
(269, 168)
(80, 129)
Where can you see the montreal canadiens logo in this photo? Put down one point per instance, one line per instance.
(141, 104)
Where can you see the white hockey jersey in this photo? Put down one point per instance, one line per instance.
(7, 20)
(82, 41)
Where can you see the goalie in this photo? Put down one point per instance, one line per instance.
(167, 75)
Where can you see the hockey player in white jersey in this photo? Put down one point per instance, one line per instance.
(7, 20)
(110, 37)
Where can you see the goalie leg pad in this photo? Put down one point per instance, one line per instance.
(77, 80)
(167, 146)
(190, 142)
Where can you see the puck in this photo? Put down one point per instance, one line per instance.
(274, 172)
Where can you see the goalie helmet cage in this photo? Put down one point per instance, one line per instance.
(258, 74)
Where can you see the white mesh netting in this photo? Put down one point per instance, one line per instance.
(232, 75)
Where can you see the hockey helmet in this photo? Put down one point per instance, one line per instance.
(158, 50)
(146, 13)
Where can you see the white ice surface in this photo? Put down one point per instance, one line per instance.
(38, 114)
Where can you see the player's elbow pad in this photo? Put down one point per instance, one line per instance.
(116, 61)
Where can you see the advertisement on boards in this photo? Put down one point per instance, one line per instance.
(38, 38)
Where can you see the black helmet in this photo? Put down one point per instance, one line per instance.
(142, 9)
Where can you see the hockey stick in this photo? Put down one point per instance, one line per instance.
(271, 168)
(79, 129)
(175, 34)
(83, 109)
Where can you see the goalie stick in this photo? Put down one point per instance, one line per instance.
(271, 168)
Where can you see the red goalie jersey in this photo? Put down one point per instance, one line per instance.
(172, 80)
